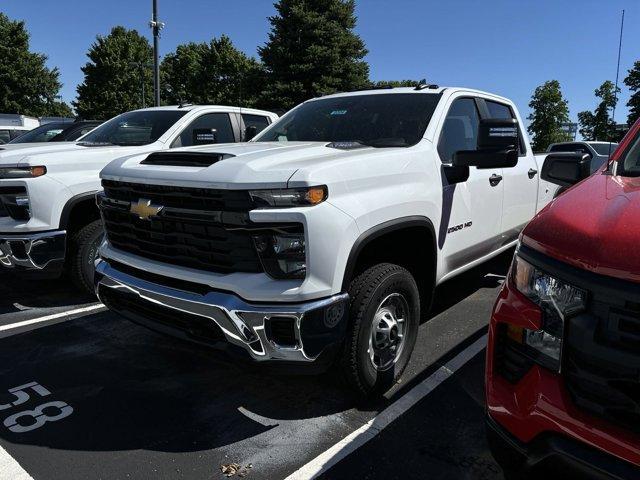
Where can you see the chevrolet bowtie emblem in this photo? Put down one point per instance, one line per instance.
(143, 209)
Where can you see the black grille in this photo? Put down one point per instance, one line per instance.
(198, 228)
(602, 362)
(180, 197)
(601, 351)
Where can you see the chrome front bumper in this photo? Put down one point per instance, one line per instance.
(35, 251)
(315, 324)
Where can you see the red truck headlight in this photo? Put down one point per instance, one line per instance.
(557, 299)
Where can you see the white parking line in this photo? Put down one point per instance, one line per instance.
(10, 469)
(68, 313)
(369, 430)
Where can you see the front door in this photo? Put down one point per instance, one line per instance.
(471, 209)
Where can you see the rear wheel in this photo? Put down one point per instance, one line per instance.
(83, 253)
(384, 320)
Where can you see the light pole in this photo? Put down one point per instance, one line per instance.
(156, 26)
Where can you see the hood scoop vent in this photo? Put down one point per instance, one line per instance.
(185, 159)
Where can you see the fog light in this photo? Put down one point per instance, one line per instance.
(283, 255)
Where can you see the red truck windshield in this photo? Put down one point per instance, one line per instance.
(629, 161)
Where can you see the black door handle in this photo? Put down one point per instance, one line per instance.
(532, 173)
(495, 180)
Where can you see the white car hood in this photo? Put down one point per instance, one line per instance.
(249, 165)
(69, 153)
(21, 146)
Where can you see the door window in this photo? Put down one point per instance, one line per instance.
(460, 130)
(219, 122)
(258, 121)
(504, 112)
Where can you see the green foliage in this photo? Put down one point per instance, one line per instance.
(598, 125)
(549, 110)
(211, 73)
(27, 86)
(118, 63)
(312, 50)
(633, 82)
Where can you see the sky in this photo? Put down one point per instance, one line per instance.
(506, 47)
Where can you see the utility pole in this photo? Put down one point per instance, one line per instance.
(156, 26)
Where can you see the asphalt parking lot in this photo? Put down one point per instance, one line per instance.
(100, 397)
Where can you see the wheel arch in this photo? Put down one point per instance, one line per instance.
(77, 207)
(417, 252)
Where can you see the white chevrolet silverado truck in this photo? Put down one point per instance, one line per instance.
(49, 221)
(321, 241)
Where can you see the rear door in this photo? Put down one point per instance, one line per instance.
(471, 209)
(520, 182)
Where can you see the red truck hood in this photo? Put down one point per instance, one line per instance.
(594, 226)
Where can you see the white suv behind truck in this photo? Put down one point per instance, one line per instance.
(49, 221)
(322, 240)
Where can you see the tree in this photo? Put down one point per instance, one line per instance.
(312, 50)
(549, 110)
(598, 125)
(633, 82)
(211, 73)
(27, 86)
(113, 77)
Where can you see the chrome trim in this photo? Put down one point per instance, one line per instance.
(40, 249)
(242, 323)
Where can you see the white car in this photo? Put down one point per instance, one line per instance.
(323, 239)
(13, 125)
(49, 221)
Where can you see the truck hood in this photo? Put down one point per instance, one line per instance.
(594, 226)
(242, 166)
(21, 146)
(62, 153)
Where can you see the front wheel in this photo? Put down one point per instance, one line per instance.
(384, 320)
(83, 253)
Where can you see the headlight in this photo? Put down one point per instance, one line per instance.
(558, 301)
(283, 255)
(22, 172)
(289, 197)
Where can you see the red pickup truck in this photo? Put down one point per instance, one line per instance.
(563, 358)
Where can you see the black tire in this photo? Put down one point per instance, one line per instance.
(367, 292)
(83, 252)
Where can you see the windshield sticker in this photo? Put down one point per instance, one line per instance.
(338, 112)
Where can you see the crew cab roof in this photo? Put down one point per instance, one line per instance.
(195, 108)
(424, 91)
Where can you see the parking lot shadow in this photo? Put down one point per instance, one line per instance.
(18, 293)
(134, 389)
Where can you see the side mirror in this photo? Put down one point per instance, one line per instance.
(250, 132)
(566, 169)
(498, 145)
(204, 136)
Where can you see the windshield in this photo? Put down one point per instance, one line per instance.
(43, 133)
(604, 148)
(133, 128)
(629, 160)
(379, 120)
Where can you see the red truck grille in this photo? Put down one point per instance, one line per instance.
(602, 355)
